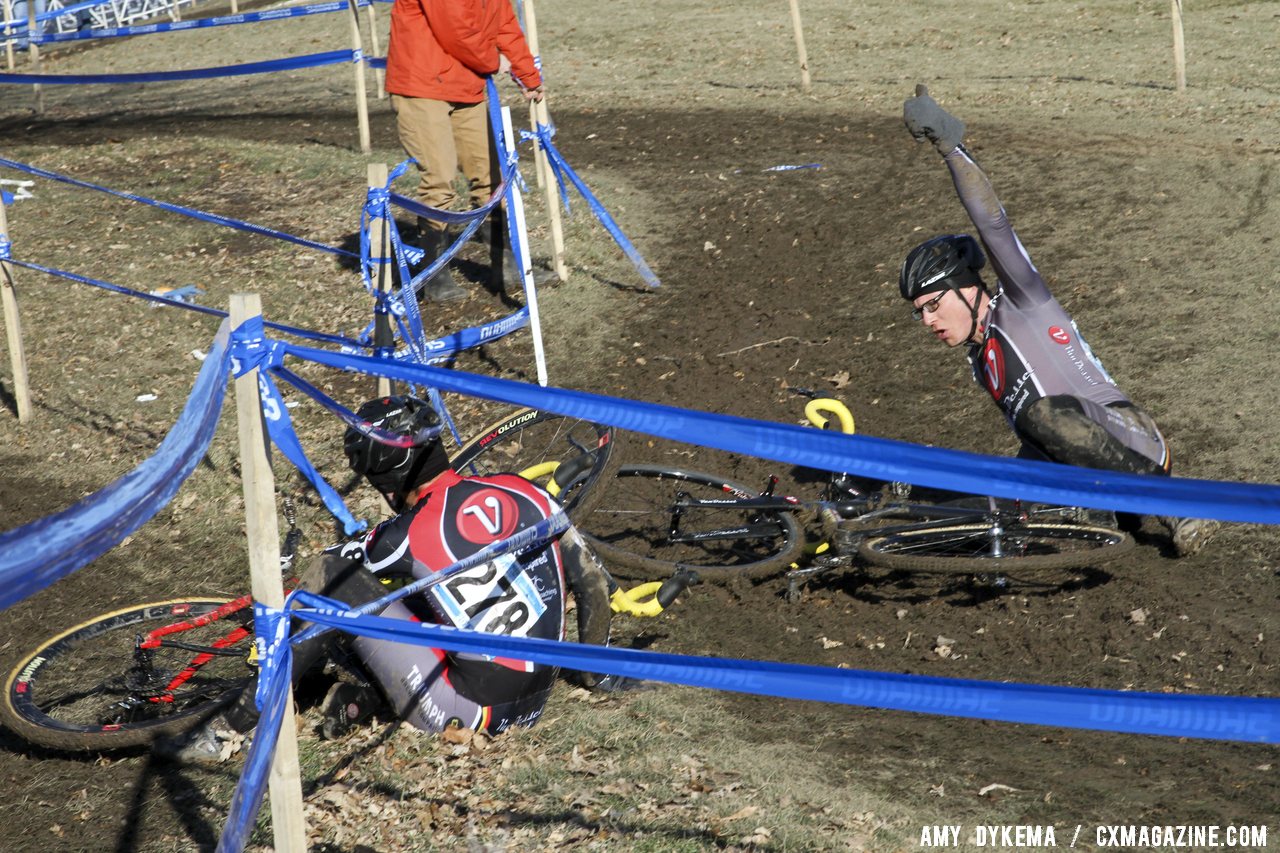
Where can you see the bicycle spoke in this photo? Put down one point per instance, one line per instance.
(90, 687)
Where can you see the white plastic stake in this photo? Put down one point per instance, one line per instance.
(515, 223)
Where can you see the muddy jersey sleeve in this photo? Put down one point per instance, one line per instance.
(1020, 280)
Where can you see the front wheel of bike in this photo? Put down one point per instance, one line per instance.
(86, 689)
(573, 459)
(630, 528)
(985, 548)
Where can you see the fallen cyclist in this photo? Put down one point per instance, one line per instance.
(442, 517)
(1022, 344)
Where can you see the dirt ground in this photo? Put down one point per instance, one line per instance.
(1150, 213)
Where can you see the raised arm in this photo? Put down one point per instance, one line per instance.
(928, 121)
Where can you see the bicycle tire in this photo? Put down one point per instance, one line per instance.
(629, 528)
(960, 548)
(587, 453)
(66, 694)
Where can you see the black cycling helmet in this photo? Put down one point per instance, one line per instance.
(950, 261)
(396, 468)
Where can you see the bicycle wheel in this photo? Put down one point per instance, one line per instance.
(571, 458)
(968, 547)
(85, 690)
(631, 527)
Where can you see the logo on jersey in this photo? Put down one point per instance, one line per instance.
(993, 367)
(1059, 335)
(487, 516)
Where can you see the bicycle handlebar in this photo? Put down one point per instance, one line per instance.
(814, 411)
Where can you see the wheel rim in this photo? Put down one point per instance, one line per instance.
(86, 681)
(967, 547)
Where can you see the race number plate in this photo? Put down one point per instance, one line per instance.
(497, 598)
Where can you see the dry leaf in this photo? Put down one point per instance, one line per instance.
(840, 379)
(457, 735)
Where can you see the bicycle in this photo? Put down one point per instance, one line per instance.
(657, 519)
(152, 670)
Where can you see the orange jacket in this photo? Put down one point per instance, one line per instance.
(443, 49)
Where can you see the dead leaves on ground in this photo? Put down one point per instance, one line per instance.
(514, 792)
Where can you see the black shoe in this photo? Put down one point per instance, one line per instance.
(345, 706)
(440, 287)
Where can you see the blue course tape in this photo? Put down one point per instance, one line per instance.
(311, 60)
(249, 349)
(277, 664)
(877, 458)
(35, 555)
(176, 208)
(199, 23)
(1248, 719)
(465, 339)
(307, 334)
(563, 170)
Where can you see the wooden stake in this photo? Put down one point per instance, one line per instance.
(538, 115)
(33, 51)
(380, 247)
(1179, 48)
(805, 83)
(362, 97)
(13, 331)
(379, 75)
(263, 531)
(8, 45)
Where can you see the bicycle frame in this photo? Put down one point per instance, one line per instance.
(860, 509)
(162, 636)
(156, 639)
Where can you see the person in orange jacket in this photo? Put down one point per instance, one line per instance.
(440, 54)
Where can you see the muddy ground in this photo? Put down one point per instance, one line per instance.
(1151, 215)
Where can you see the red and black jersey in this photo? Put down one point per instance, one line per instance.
(515, 594)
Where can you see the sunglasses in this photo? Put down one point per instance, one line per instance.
(927, 308)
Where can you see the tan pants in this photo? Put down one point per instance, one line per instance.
(446, 138)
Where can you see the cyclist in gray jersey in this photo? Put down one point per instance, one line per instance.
(1024, 347)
